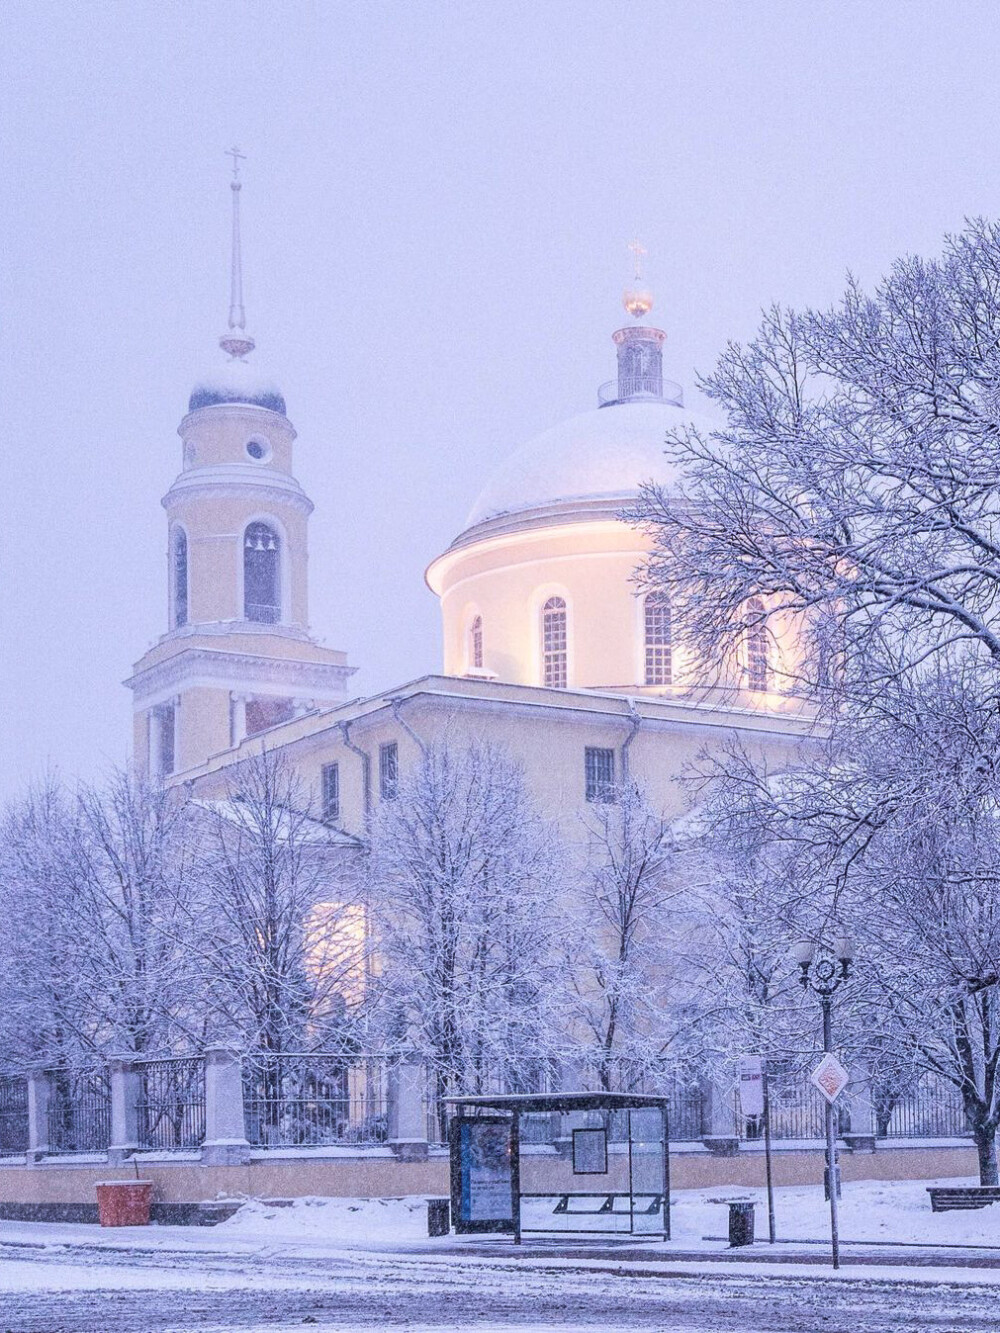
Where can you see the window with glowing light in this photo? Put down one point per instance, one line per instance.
(388, 770)
(757, 665)
(179, 561)
(336, 940)
(659, 664)
(476, 643)
(554, 644)
(261, 574)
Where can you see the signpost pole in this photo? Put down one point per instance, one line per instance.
(767, 1155)
(831, 1142)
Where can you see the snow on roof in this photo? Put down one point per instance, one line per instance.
(604, 454)
(307, 829)
(236, 382)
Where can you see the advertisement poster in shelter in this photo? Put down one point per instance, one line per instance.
(486, 1153)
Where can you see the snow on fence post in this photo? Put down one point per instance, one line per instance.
(125, 1089)
(860, 1137)
(407, 1112)
(40, 1093)
(226, 1141)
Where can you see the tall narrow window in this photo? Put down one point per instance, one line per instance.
(261, 574)
(599, 773)
(331, 793)
(476, 643)
(179, 557)
(756, 645)
(162, 742)
(554, 643)
(388, 770)
(659, 666)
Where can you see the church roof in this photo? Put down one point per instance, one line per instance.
(236, 381)
(605, 454)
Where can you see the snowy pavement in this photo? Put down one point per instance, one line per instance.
(368, 1263)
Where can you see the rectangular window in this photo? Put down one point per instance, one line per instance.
(331, 793)
(388, 770)
(162, 741)
(599, 772)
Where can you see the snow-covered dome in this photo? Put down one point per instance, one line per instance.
(236, 382)
(605, 454)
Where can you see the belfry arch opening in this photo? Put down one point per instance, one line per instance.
(262, 574)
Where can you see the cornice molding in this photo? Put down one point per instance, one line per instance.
(216, 668)
(236, 481)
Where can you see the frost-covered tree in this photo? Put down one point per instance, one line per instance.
(462, 878)
(96, 896)
(623, 939)
(853, 485)
(282, 937)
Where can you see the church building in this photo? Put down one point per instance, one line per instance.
(550, 648)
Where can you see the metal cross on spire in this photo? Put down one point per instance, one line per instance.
(237, 342)
(237, 157)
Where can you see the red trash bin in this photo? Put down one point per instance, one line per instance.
(124, 1203)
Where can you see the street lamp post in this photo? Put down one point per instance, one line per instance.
(823, 975)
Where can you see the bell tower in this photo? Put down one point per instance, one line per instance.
(237, 656)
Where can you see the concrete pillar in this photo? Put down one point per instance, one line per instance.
(225, 1131)
(407, 1109)
(126, 1084)
(41, 1090)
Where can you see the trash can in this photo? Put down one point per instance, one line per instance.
(438, 1217)
(124, 1203)
(741, 1223)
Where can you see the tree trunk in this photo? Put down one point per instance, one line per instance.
(986, 1147)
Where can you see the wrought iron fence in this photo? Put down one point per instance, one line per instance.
(13, 1114)
(320, 1099)
(170, 1108)
(931, 1109)
(79, 1111)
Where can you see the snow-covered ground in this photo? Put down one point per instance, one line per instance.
(870, 1211)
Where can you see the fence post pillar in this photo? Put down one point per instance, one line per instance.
(125, 1086)
(407, 1109)
(718, 1119)
(40, 1093)
(861, 1135)
(226, 1141)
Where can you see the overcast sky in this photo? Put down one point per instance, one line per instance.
(436, 204)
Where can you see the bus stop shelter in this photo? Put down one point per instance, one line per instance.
(567, 1163)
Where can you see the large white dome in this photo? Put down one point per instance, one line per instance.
(604, 454)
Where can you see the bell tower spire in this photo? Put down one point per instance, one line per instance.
(236, 341)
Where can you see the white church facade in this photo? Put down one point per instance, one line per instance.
(550, 647)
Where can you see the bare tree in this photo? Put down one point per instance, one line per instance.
(623, 937)
(282, 944)
(461, 873)
(854, 486)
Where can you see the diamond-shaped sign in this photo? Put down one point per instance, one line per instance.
(830, 1077)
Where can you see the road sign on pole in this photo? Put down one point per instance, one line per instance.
(830, 1077)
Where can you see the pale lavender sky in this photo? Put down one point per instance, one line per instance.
(437, 201)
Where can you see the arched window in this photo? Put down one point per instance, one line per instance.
(476, 643)
(554, 643)
(659, 667)
(261, 574)
(756, 645)
(179, 574)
